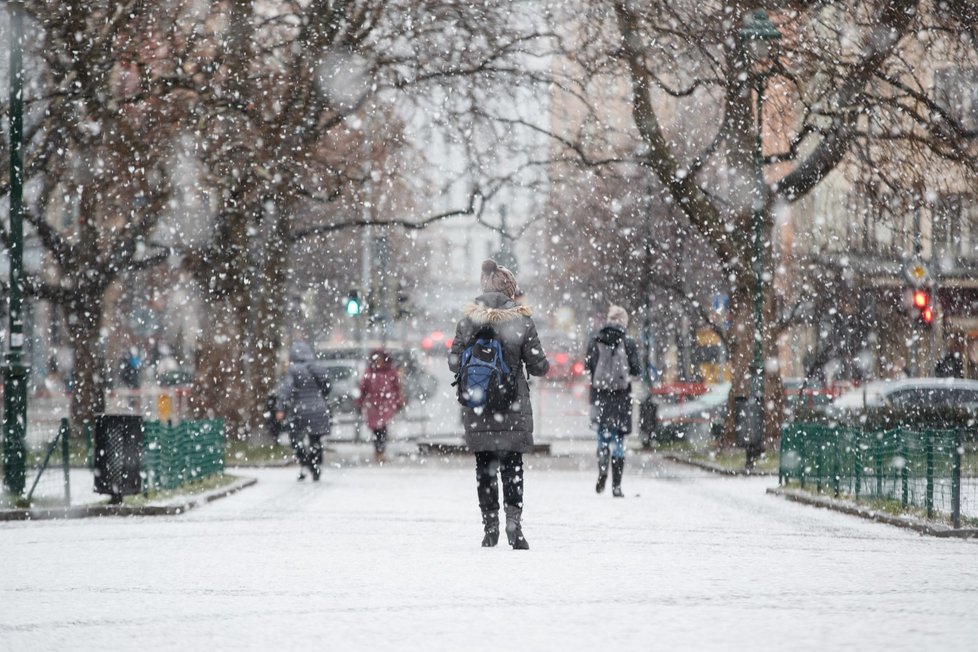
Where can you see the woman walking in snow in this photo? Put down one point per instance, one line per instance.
(500, 438)
(302, 404)
(380, 398)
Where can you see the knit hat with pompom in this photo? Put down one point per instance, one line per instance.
(496, 278)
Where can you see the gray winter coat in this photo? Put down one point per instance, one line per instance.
(614, 408)
(299, 396)
(510, 431)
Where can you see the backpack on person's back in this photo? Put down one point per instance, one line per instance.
(484, 380)
(611, 369)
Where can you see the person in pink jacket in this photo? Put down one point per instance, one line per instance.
(380, 398)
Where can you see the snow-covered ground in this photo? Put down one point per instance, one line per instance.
(388, 558)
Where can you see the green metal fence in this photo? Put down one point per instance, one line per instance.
(57, 447)
(934, 471)
(174, 455)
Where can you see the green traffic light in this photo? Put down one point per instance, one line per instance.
(353, 306)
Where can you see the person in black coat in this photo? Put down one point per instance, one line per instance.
(611, 393)
(301, 402)
(499, 439)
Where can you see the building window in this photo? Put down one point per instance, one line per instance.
(956, 90)
(882, 224)
(955, 229)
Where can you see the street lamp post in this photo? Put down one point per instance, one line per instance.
(757, 35)
(15, 371)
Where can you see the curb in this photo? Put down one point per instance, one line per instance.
(716, 468)
(846, 507)
(101, 509)
(436, 448)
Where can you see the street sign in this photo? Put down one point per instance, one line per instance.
(916, 273)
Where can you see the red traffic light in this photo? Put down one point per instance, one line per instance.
(923, 305)
(921, 300)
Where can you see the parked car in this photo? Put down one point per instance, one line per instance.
(803, 396)
(344, 381)
(907, 394)
(676, 393)
(418, 384)
(566, 356)
(699, 417)
(175, 377)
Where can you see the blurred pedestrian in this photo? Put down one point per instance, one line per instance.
(950, 366)
(612, 358)
(499, 438)
(380, 398)
(302, 403)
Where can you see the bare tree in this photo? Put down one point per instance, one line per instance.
(298, 113)
(845, 79)
(290, 118)
(96, 165)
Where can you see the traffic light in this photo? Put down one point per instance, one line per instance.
(924, 306)
(404, 309)
(354, 306)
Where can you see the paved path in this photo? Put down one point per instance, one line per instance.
(389, 559)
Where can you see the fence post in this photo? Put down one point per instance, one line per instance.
(89, 453)
(819, 461)
(956, 482)
(803, 434)
(904, 470)
(836, 444)
(65, 465)
(859, 462)
(784, 438)
(879, 465)
(929, 452)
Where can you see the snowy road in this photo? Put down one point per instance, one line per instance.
(389, 559)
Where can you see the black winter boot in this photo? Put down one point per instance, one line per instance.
(617, 468)
(602, 471)
(514, 531)
(490, 523)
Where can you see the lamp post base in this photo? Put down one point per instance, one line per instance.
(14, 424)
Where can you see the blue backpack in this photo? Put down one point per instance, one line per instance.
(484, 380)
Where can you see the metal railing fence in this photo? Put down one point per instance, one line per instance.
(56, 447)
(174, 455)
(934, 471)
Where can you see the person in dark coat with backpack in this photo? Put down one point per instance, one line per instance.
(500, 438)
(302, 403)
(612, 357)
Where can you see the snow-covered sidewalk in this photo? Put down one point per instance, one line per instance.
(388, 558)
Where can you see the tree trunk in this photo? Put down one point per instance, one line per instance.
(84, 319)
(221, 373)
(269, 320)
(741, 339)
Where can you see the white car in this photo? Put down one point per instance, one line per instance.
(908, 393)
(699, 419)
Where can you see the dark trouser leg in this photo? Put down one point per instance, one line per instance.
(617, 465)
(604, 453)
(380, 440)
(315, 457)
(486, 468)
(298, 448)
(511, 469)
(512, 474)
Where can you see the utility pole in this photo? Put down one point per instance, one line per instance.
(15, 371)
